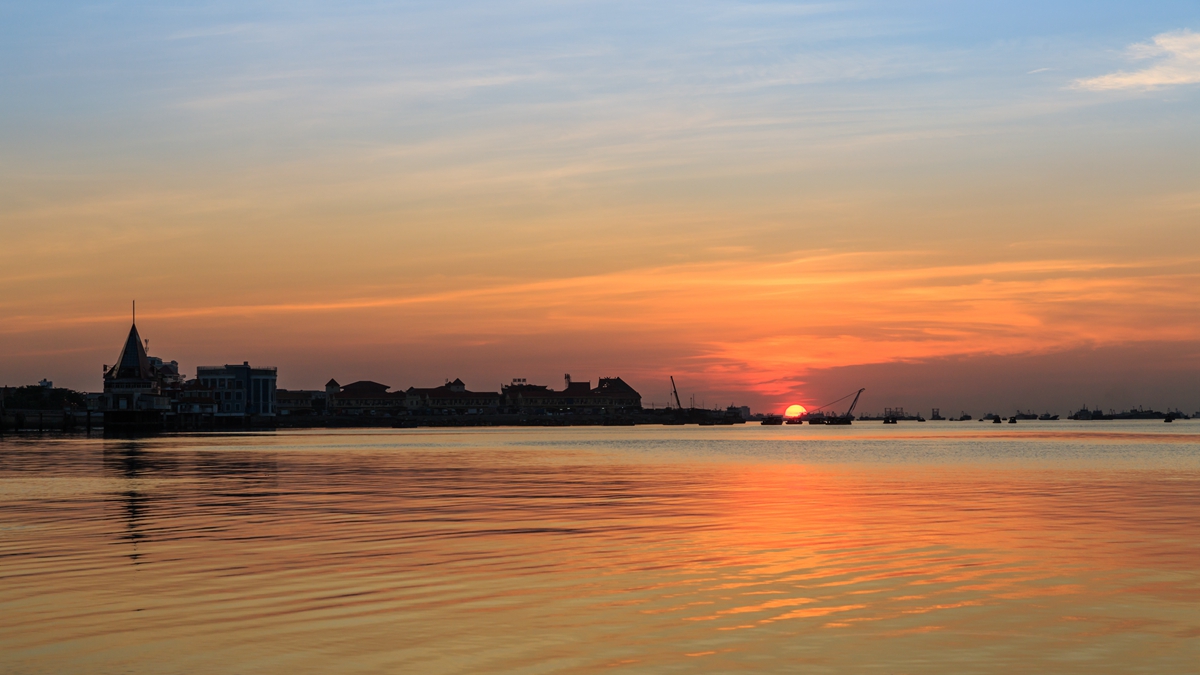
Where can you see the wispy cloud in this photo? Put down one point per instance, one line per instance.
(1176, 61)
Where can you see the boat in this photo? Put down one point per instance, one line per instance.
(1047, 417)
(1012, 420)
(818, 416)
(1024, 416)
(1139, 414)
(772, 420)
(995, 419)
(1083, 414)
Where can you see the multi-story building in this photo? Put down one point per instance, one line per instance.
(194, 406)
(365, 398)
(240, 391)
(300, 402)
(610, 395)
(133, 398)
(452, 398)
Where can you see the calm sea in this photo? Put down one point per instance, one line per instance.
(1055, 547)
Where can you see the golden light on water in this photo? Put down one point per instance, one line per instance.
(738, 549)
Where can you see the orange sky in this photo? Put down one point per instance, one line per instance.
(528, 208)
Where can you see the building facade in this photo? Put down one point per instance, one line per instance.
(300, 402)
(133, 398)
(452, 398)
(365, 398)
(610, 395)
(240, 391)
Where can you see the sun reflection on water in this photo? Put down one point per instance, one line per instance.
(589, 550)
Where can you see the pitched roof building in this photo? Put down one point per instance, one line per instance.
(611, 394)
(133, 399)
(365, 397)
(452, 398)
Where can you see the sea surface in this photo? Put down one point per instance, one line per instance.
(1040, 547)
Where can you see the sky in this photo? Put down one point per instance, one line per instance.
(972, 205)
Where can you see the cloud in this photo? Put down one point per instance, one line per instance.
(1178, 62)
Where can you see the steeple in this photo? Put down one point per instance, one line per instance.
(133, 363)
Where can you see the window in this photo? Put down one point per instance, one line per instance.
(238, 396)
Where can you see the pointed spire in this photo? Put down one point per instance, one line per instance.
(133, 362)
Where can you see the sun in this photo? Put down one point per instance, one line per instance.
(794, 411)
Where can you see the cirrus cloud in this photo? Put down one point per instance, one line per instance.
(1178, 62)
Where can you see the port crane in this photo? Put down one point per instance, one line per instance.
(675, 392)
(838, 419)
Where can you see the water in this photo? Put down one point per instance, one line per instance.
(923, 548)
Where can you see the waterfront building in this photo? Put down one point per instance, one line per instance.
(366, 398)
(194, 406)
(133, 399)
(452, 398)
(610, 395)
(240, 391)
(300, 402)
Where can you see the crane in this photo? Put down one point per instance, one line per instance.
(855, 401)
(839, 419)
(676, 393)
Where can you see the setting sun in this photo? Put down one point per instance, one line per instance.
(794, 411)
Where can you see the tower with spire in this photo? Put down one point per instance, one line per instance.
(133, 398)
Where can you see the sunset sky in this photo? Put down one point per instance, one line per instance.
(971, 205)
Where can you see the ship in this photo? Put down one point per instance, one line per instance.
(1140, 414)
(772, 420)
(1047, 417)
(1083, 414)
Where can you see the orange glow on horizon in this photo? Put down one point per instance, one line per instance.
(705, 323)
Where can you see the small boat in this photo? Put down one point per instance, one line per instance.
(995, 420)
(1012, 420)
(1047, 417)
(772, 420)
